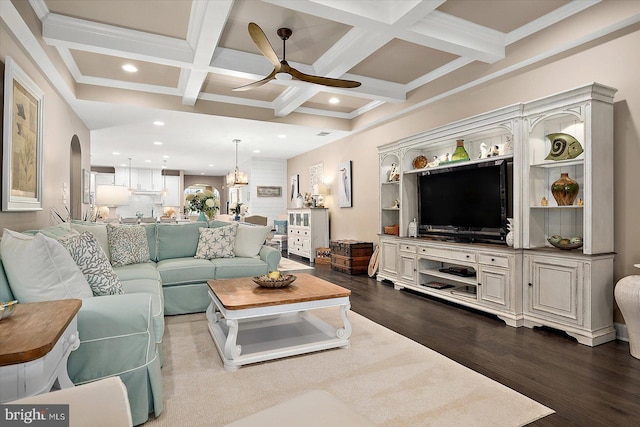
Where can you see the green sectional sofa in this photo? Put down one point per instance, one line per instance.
(121, 335)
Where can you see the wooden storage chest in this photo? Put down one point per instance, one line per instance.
(350, 256)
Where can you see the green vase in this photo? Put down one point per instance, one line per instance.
(460, 153)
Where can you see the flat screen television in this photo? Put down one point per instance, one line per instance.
(467, 202)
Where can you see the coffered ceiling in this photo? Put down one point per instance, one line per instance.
(190, 54)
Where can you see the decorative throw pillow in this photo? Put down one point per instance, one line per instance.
(39, 268)
(217, 242)
(93, 263)
(249, 240)
(127, 244)
(98, 230)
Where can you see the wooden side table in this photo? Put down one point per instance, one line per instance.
(35, 343)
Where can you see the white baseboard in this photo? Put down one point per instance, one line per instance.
(621, 332)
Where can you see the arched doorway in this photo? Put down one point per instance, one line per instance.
(75, 178)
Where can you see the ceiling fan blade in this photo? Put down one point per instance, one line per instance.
(256, 84)
(261, 41)
(325, 81)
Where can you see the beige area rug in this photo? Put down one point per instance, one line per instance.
(386, 377)
(287, 264)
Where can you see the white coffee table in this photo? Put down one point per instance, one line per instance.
(252, 324)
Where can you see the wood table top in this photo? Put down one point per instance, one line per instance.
(34, 329)
(242, 292)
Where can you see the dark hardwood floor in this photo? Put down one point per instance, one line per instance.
(586, 386)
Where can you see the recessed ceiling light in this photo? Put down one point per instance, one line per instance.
(282, 135)
(164, 166)
(165, 157)
(210, 166)
(115, 153)
(130, 68)
(123, 165)
(256, 151)
(147, 161)
(157, 143)
(334, 100)
(158, 123)
(201, 173)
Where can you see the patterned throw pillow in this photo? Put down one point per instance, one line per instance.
(127, 244)
(217, 242)
(93, 263)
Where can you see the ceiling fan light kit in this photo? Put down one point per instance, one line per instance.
(281, 68)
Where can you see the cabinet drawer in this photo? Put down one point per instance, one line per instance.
(495, 260)
(404, 247)
(448, 254)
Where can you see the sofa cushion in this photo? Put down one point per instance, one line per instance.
(93, 263)
(217, 223)
(146, 270)
(217, 242)
(178, 240)
(127, 244)
(239, 267)
(39, 268)
(57, 231)
(249, 240)
(178, 271)
(98, 230)
(152, 239)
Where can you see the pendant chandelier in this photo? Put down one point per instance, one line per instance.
(237, 178)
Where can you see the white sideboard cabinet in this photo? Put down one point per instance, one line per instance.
(308, 230)
(532, 283)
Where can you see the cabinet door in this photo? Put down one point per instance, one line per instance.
(389, 258)
(408, 268)
(555, 288)
(173, 196)
(493, 286)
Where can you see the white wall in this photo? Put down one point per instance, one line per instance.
(272, 173)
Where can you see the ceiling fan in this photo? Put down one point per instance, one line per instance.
(282, 70)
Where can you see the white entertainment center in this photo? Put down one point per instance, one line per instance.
(532, 283)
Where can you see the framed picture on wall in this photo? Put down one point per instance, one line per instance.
(295, 189)
(344, 184)
(86, 186)
(22, 153)
(265, 191)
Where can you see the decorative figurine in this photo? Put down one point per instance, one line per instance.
(446, 157)
(396, 204)
(434, 163)
(544, 202)
(484, 151)
(563, 147)
(394, 175)
(495, 151)
(580, 202)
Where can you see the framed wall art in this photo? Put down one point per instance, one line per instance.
(265, 191)
(86, 186)
(295, 189)
(22, 151)
(344, 184)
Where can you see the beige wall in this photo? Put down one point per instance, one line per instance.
(614, 62)
(60, 125)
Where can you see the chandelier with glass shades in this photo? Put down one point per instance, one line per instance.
(237, 178)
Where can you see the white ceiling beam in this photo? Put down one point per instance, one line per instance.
(454, 35)
(206, 23)
(73, 33)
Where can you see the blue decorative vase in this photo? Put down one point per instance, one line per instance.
(236, 218)
(202, 217)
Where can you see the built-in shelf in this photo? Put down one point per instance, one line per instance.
(558, 207)
(472, 281)
(559, 163)
(457, 164)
